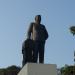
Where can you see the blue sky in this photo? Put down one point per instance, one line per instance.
(57, 16)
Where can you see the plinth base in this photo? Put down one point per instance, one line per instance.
(38, 69)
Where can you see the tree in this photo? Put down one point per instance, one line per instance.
(11, 70)
(72, 30)
(69, 70)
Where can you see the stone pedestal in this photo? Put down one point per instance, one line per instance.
(38, 69)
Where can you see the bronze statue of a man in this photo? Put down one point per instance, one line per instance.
(38, 33)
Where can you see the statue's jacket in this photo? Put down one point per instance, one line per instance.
(37, 32)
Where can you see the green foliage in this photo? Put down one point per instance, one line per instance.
(13, 67)
(11, 70)
(72, 30)
(69, 70)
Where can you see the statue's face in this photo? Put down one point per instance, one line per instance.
(38, 19)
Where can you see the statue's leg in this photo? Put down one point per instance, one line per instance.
(41, 52)
(35, 52)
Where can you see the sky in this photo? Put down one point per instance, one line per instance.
(57, 16)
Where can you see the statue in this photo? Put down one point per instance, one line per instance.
(37, 34)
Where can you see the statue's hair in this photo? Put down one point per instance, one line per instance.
(38, 16)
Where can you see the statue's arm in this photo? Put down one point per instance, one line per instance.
(46, 33)
(30, 31)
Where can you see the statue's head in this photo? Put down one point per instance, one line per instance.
(38, 19)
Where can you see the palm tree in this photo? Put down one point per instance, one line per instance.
(72, 30)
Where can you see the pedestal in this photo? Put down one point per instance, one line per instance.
(38, 69)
